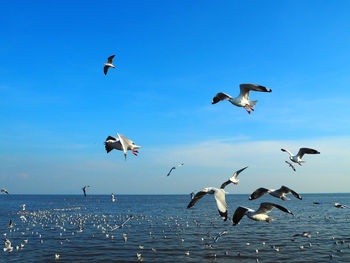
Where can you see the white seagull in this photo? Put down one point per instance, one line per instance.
(85, 188)
(243, 98)
(291, 165)
(300, 154)
(5, 191)
(113, 198)
(259, 215)
(23, 207)
(8, 246)
(233, 179)
(109, 64)
(279, 193)
(174, 167)
(121, 143)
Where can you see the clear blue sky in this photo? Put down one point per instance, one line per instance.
(57, 107)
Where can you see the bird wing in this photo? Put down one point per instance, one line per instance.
(267, 208)
(219, 97)
(246, 88)
(303, 151)
(258, 193)
(108, 144)
(110, 59)
(238, 172)
(195, 199)
(286, 190)
(225, 184)
(239, 213)
(172, 168)
(125, 143)
(284, 150)
(105, 69)
(221, 203)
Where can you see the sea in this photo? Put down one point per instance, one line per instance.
(159, 228)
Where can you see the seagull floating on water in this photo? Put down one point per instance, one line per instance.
(300, 154)
(243, 98)
(4, 191)
(233, 179)
(109, 64)
(291, 165)
(338, 205)
(279, 193)
(8, 246)
(121, 143)
(259, 215)
(85, 188)
(174, 167)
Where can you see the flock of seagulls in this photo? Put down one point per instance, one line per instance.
(124, 144)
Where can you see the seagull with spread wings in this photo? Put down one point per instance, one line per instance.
(5, 191)
(121, 143)
(291, 165)
(85, 188)
(219, 195)
(279, 193)
(109, 64)
(242, 100)
(297, 158)
(260, 215)
(174, 167)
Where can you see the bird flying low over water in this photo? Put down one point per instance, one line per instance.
(5, 191)
(85, 188)
(260, 215)
(242, 100)
(233, 179)
(279, 193)
(109, 64)
(338, 205)
(300, 154)
(173, 168)
(121, 143)
(291, 165)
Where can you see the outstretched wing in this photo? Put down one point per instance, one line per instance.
(303, 151)
(238, 215)
(267, 208)
(221, 203)
(246, 88)
(105, 69)
(258, 193)
(125, 143)
(110, 59)
(285, 189)
(108, 143)
(238, 172)
(195, 199)
(172, 168)
(225, 184)
(219, 97)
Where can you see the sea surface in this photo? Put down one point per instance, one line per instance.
(84, 229)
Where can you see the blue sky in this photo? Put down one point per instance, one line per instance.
(57, 107)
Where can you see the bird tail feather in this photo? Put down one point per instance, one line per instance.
(252, 103)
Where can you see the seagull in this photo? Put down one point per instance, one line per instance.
(259, 215)
(23, 207)
(279, 193)
(219, 235)
(174, 167)
(300, 154)
(219, 195)
(113, 198)
(233, 179)
(5, 191)
(10, 224)
(337, 205)
(57, 256)
(291, 165)
(243, 99)
(8, 246)
(85, 188)
(109, 64)
(121, 143)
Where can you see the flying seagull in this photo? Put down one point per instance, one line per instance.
(243, 98)
(174, 167)
(5, 191)
(219, 235)
(8, 246)
(300, 154)
(113, 198)
(121, 143)
(233, 179)
(85, 188)
(109, 64)
(279, 193)
(259, 215)
(291, 165)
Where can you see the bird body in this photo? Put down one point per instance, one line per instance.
(242, 100)
(297, 158)
(121, 143)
